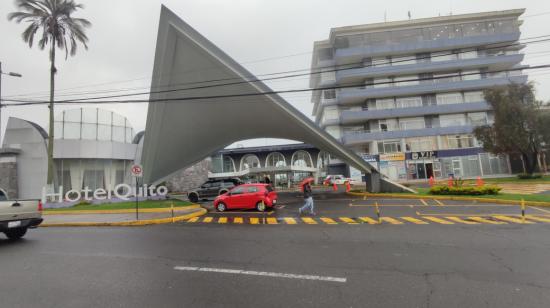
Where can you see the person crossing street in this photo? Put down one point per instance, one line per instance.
(308, 199)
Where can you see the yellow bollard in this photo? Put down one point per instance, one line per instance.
(378, 212)
(172, 207)
(364, 197)
(522, 211)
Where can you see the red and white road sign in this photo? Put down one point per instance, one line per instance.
(137, 170)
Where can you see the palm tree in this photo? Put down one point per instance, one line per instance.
(59, 29)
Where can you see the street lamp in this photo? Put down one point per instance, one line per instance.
(9, 74)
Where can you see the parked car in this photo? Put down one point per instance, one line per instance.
(16, 216)
(212, 188)
(339, 179)
(247, 196)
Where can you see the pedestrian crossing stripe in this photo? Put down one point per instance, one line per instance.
(418, 220)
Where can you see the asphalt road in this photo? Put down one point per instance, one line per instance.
(377, 266)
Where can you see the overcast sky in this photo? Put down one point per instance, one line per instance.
(123, 36)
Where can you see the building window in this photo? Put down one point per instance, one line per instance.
(382, 82)
(452, 120)
(329, 94)
(411, 123)
(408, 102)
(381, 61)
(474, 97)
(446, 77)
(301, 159)
(467, 54)
(386, 103)
(449, 98)
(420, 144)
(460, 141)
(443, 56)
(330, 113)
(402, 81)
(477, 118)
(275, 159)
(403, 60)
(389, 146)
(250, 161)
(325, 54)
(471, 75)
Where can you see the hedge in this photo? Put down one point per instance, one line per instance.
(527, 176)
(465, 190)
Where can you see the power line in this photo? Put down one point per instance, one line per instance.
(268, 79)
(189, 98)
(319, 71)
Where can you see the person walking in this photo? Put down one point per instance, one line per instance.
(308, 199)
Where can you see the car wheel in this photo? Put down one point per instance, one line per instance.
(260, 206)
(221, 207)
(193, 198)
(15, 234)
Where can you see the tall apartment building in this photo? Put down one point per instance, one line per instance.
(409, 93)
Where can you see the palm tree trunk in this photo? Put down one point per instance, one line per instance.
(51, 128)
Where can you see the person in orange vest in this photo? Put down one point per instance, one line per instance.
(450, 181)
(334, 187)
(431, 181)
(348, 186)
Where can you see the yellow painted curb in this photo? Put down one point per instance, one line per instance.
(145, 222)
(124, 211)
(405, 196)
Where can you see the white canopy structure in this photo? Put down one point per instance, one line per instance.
(182, 130)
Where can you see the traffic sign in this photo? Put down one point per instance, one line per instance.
(137, 170)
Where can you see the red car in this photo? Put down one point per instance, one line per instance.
(247, 196)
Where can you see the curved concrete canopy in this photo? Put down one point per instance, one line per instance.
(181, 133)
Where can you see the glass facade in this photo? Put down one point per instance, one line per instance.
(77, 174)
(93, 124)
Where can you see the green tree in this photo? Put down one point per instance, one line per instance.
(58, 28)
(519, 127)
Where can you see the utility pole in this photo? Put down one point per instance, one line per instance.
(9, 74)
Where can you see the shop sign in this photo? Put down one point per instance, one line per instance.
(121, 191)
(369, 158)
(392, 157)
(423, 154)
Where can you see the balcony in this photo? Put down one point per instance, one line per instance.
(493, 62)
(356, 117)
(352, 96)
(363, 137)
(357, 54)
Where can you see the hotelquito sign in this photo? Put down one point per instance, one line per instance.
(137, 170)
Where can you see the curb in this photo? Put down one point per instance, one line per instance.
(146, 222)
(124, 211)
(486, 200)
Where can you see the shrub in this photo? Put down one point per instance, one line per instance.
(83, 202)
(527, 176)
(465, 190)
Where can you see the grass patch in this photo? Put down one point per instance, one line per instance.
(500, 196)
(514, 179)
(149, 204)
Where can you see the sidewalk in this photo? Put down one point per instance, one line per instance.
(148, 217)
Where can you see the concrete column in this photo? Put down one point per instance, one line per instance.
(373, 182)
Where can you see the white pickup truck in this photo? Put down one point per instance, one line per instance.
(16, 216)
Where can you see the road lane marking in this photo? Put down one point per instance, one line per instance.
(368, 220)
(438, 220)
(222, 220)
(272, 220)
(309, 220)
(290, 220)
(438, 202)
(512, 219)
(194, 219)
(254, 220)
(460, 220)
(423, 202)
(264, 274)
(329, 221)
(348, 220)
(541, 219)
(207, 219)
(486, 221)
(392, 221)
(238, 220)
(414, 220)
